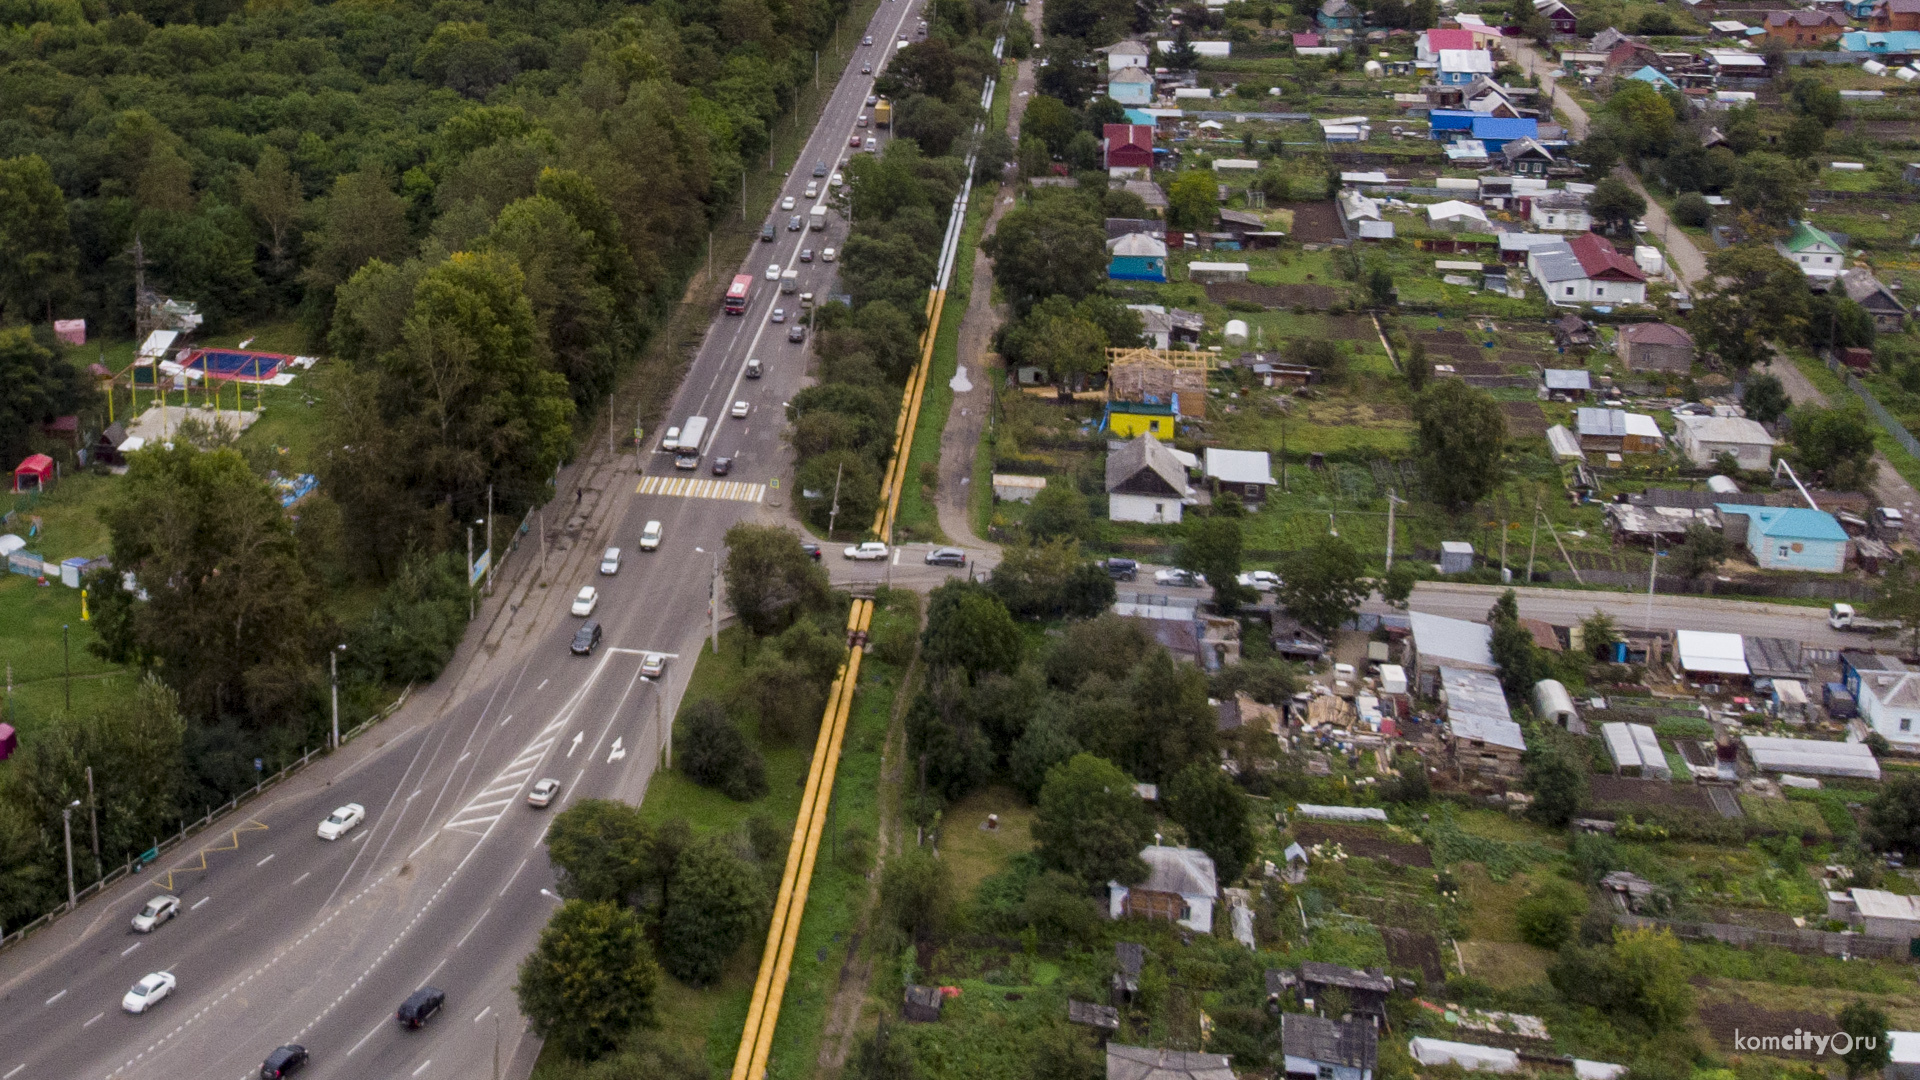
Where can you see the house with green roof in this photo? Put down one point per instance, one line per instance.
(1813, 251)
(1786, 537)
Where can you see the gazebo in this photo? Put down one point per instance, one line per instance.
(38, 468)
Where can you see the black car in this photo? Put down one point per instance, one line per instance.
(587, 638)
(811, 548)
(753, 369)
(284, 1061)
(722, 466)
(421, 1006)
(766, 232)
(797, 332)
(946, 556)
(819, 168)
(1122, 569)
(796, 223)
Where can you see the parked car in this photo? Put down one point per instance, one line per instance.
(284, 1061)
(420, 1007)
(862, 122)
(946, 556)
(610, 562)
(787, 203)
(148, 992)
(836, 180)
(653, 665)
(811, 549)
(722, 466)
(1263, 580)
(872, 99)
(1182, 578)
(158, 910)
(587, 638)
(586, 600)
(342, 821)
(868, 551)
(650, 536)
(1122, 569)
(543, 792)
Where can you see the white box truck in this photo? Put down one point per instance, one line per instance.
(692, 434)
(817, 218)
(789, 282)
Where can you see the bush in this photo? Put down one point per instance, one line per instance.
(417, 623)
(714, 754)
(916, 894)
(1692, 210)
(1548, 916)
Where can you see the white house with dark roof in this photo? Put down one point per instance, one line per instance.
(1587, 270)
(1146, 483)
(1881, 303)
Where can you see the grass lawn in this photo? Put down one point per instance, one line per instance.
(972, 852)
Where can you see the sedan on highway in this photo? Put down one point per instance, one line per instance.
(586, 600)
(806, 255)
(148, 992)
(158, 910)
(779, 315)
(828, 254)
(650, 536)
(866, 69)
(586, 639)
(722, 466)
(740, 410)
(342, 821)
(610, 562)
(543, 792)
(946, 556)
(1264, 580)
(284, 1061)
(854, 140)
(797, 332)
(868, 40)
(870, 551)
(873, 145)
(819, 168)
(1176, 576)
(773, 271)
(653, 665)
(796, 223)
(787, 203)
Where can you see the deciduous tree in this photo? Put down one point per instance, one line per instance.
(590, 979)
(35, 386)
(1213, 810)
(969, 630)
(1459, 439)
(36, 247)
(716, 901)
(1090, 824)
(1051, 246)
(714, 754)
(1323, 583)
(771, 580)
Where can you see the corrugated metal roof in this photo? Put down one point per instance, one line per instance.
(1477, 709)
(1439, 640)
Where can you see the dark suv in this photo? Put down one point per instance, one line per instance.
(284, 1061)
(766, 232)
(1122, 569)
(421, 1006)
(587, 638)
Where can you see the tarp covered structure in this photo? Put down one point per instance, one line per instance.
(33, 474)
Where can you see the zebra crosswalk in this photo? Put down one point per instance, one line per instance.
(690, 487)
(485, 808)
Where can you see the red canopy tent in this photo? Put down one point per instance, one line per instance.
(37, 466)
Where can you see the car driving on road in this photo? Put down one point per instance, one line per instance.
(722, 466)
(158, 910)
(421, 1006)
(787, 203)
(797, 332)
(946, 556)
(653, 665)
(586, 600)
(779, 315)
(740, 409)
(867, 552)
(148, 992)
(1176, 576)
(650, 536)
(284, 1061)
(342, 821)
(610, 562)
(543, 792)
(1263, 580)
(587, 638)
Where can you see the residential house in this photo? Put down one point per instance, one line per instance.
(922, 1004)
(1630, 56)
(1654, 347)
(1366, 991)
(1586, 270)
(1131, 86)
(1497, 131)
(1567, 384)
(1146, 483)
(1454, 214)
(1516, 246)
(1704, 438)
(1887, 692)
(1129, 419)
(1877, 912)
(1527, 157)
(1162, 329)
(1436, 640)
(114, 444)
(1605, 40)
(1357, 207)
(1616, 431)
(1432, 42)
(1140, 1063)
(1128, 146)
(1813, 251)
(1458, 67)
(1655, 78)
(1805, 29)
(1787, 537)
(1149, 193)
(1180, 888)
(1482, 95)
(1128, 54)
(1558, 15)
(1137, 257)
(1104, 1019)
(1855, 9)
(1891, 15)
(1890, 43)
(1866, 290)
(1316, 1048)
(1730, 64)
(1559, 211)
(1481, 734)
(1246, 473)
(1338, 15)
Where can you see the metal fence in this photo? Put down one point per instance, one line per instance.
(194, 828)
(1813, 942)
(1894, 427)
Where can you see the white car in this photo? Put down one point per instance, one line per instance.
(158, 910)
(650, 536)
(610, 562)
(1264, 580)
(828, 254)
(873, 145)
(739, 410)
(903, 43)
(835, 180)
(773, 271)
(779, 315)
(342, 821)
(787, 203)
(148, 992)
(543, 792)
(1176, 576)
(587, 599)
(813, 189)
(653, 665)
(870, 551)
(671, 440)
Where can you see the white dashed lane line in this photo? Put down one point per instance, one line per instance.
(129, 949)
(56, 997)
(195, 907)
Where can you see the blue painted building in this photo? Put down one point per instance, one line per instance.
(1137, 257)
(1459, 67)
(1450, 125)
(1131, 86)
(1787, 537)
(1887, 43)
(1338, 15)
(1653, 76)
(1858, 9)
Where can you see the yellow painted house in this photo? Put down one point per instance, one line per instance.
(1131, 419)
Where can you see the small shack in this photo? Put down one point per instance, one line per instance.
(33, 474)
(1366, 991)
(1553, 704)
(1128, 958)
(1142, 1063)
(921, 1004)
(1102, 1018)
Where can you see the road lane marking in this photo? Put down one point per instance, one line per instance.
(95, 1020)
(477, 1019)
(56, 997)
(575, 745)
(15, 1071)
(266, 860)
(131, 947)
(684, 487)
(423, 1067)
(616, 753)
(543, 684)
(430, 974)
(195, 907)
(476, 926)
(303, 877)
(503, 888)
(363, 1039)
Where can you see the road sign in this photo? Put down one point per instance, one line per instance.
(480, 568)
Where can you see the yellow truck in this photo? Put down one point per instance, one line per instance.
(882, 113)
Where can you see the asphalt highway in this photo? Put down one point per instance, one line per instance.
(287, 938)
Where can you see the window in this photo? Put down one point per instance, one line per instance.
(1159, 509)
(1906, 723)
(1783, 551)
(1599, 290)
(1569, 290)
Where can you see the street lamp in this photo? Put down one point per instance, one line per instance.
(333, 669)
(66, 822)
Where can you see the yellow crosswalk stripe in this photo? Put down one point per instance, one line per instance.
(686, 487)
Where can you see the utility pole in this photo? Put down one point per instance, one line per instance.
(1392, 501)
(743, 196)
(1653, 566)
(66, 822)
(93, 811)
(713, 600)
(469, 573)
(834, 510)
(66, 651)
(490, 566)
(1506, 574)
(1533, 543)
(333, 673)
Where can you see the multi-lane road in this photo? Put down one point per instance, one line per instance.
(287, 938)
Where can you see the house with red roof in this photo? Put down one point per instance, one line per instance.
(1128, 146)
(1427, 49)
(1586, 270)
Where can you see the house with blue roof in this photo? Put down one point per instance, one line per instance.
(1787, 537)
(1137, 257)
(1653, 76)
(1447, 125)
(1881, 43)
(1498, 131)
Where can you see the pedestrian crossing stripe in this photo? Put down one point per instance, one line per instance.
(687, 487)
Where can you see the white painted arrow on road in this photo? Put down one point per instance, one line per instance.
(617, 753)
(577, 736)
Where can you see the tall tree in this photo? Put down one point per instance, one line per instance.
(1615, 204)
(969, 630)
(1090, 824)
(771, 580)
(1872, 1048)
(1193, 200)
(716, 901)
(1323, 583)
(35, 387)
(590, 979)
(272, 193)
(36, 248)
(361, 219)
(1459, 439)
(1212, 548)
(1052, 246)
(1214, 812)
